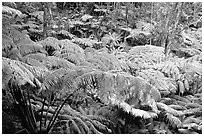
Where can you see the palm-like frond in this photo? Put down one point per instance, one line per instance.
(70, 51)
(86, 42)
(111, 40)
(106, 89)
(28, 47)
(41, 57)
(10, 11)
(173, 121)
(14, 34)
(97, 63)
(50, 44)
(53, 63)
(7, 44)
(53, 82)
(34, 62)
(11, 69)
(73, 58)
(65, 34)
(169, 109)
(37, 72)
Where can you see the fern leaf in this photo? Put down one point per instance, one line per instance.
(73, 58)
(127, 108)
(73, 127)
(82, 124)
(173, 121)
(50, 44)
(54, 63)
(104, 60)
(102, 120)
(11, 69)
(28, 47)
(11, 11)
(38, 56)
(53, 82)
(169, 109)
(33, 62)
(86, 42)
(70, 46)
(65, 34)
(100, 127)
(38, 72)
(7, 44)
(92, 128)
(97, 63)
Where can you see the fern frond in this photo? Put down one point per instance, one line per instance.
(102, 120)
(173, 121)
(97, 63)
(65, 34)
(168, 109)
(16, 35)
(11, 11)
(73, 58)
(146, 54)
(7, 44)
(70, 46)
(111, 40)
(13, 70)
(81, 123)
(89, 52)
(33, 62)
(86, 42)
(127, 108)
(92, 128)
(27, 47)
(38, 56)
(100, 127)
(104, 60)
(38, 72)
(73, 127)
(54, 63)
(106, 90)
(50, 44)
(53, 82)
(114, 61)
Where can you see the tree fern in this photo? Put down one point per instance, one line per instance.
(28, 47)
(12, 70)
(106, 91)
(70, 46)
(53, 82)
(50, 44)
(16, 35)
(53, 63)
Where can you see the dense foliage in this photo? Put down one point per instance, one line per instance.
(102, 68)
